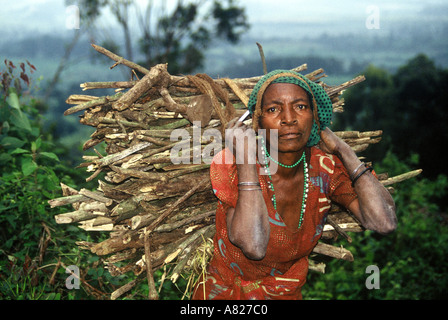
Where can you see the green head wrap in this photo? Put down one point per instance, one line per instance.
(320, 101)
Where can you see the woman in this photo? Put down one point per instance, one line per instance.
(269, 222)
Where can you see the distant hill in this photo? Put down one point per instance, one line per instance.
(286, 46)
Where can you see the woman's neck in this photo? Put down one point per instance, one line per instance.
(287, 159)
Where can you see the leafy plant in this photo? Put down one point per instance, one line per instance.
(33, 248)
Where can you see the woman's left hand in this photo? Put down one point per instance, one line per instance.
(374, 207)
(330, 143)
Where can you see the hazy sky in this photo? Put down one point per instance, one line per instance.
(50, 15)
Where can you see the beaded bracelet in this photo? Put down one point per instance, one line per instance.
(359, 175)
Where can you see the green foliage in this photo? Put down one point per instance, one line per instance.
(166, 288)
(33, 248)
(410, 106)
(422, 104)
(231, 20)
(184, 34)
(180, 36)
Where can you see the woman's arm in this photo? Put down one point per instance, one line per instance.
(374, 208)
(247, 223)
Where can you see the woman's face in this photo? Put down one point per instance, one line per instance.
(286, 107)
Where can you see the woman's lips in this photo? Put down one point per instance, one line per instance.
(289, 135)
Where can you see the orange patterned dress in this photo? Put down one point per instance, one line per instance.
(282, 272)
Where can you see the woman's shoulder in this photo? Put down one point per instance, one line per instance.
(225, 156)
(224, 177)
(223, 166)
(317, 152)
(317, 155)
(325, 161)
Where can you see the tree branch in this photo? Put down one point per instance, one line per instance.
(120, 60)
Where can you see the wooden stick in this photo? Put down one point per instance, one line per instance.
(401, 177)
(68, 191)
(92, 103)
(62, 201)
(350, 227)
(108, 160)
(337, 89)
(246, 83)
(318, 267)
(361, 141)
(156, 176)
(107, 85)
(75, 216)
(263, 59)
(338, 228)
(79, 98)
(94, 175)
(237, 90)
(120, 60)
(140, 221)
(357, 134)
(116, 244)
(127, 209)
(316, 75)
(170, 104)
(90, 226)
(96, 196)
(180, 200)
(360, 148)
(94, 206)
(123, 122)
(149, 80)
(153, 294)
(332, 251)
(125, 288)
(178, 224)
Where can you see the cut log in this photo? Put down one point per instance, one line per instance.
(332, 251)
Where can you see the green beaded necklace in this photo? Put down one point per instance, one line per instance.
(271, 183)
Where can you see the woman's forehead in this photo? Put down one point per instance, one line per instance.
(278, 90)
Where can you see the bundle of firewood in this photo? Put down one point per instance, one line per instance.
(157, 211)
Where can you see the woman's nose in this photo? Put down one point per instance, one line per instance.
(288, 117)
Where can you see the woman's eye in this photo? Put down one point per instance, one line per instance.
(271, 109)
(301, 106)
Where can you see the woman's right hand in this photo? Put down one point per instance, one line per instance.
(247, 224)
(242, 141)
